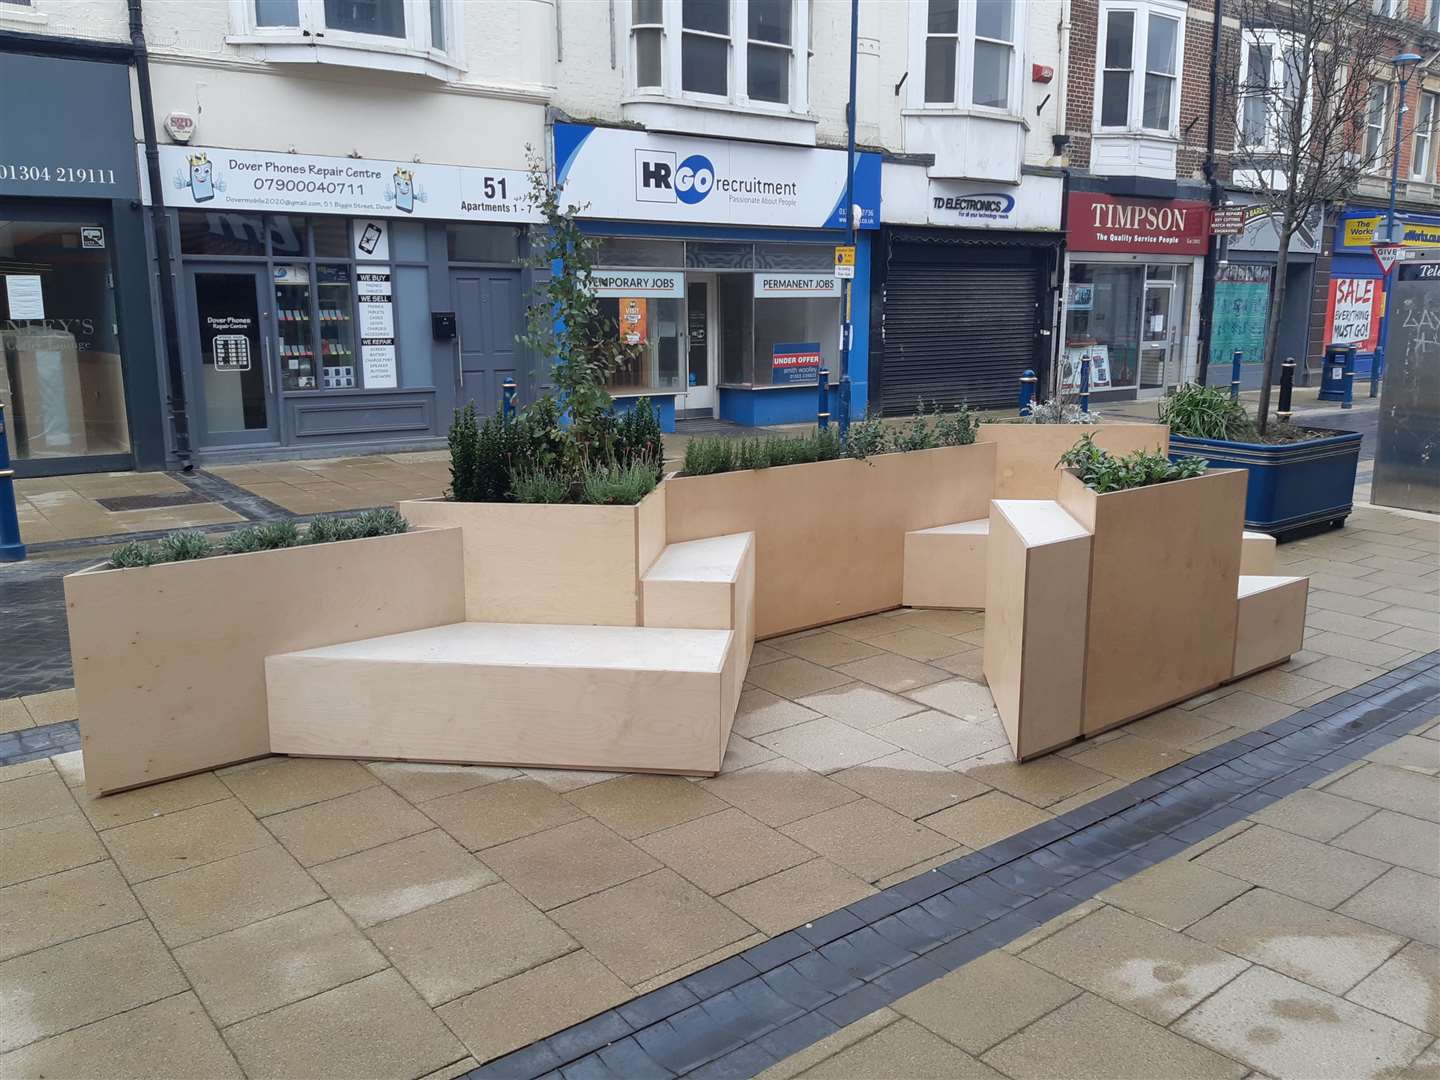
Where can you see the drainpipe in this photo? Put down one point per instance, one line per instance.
(1207, 286)
(160, 224)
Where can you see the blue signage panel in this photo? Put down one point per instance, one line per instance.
(795, 362)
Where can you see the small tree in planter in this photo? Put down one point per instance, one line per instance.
(1302, 87)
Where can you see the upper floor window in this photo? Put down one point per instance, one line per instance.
(1432, 15)
(1422, 160)
(415, 25)
(733, 51)
(969, 53)
(1377, 112)
(1139, 66)
(1391, 9)
(1270, 90)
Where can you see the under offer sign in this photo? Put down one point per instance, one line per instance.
(1098, 222)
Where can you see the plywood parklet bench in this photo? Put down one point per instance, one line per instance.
(612, 637)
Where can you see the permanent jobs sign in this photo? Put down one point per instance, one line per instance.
(213, 178)
(630, 175)
(1097, 222)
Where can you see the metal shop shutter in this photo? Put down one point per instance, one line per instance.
(957, 335)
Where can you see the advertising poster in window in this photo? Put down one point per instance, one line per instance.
(795, 362)
(377, 329)
(633, 321)
(1353, 317)
(1099, 367)
(1242, 301)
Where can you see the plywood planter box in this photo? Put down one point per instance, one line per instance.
(170, 660)
(551, 563)
(830, 536)
(1027, 455)
(1164, 568)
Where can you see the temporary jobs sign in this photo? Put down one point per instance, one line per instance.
(632, 175)
(214, 178)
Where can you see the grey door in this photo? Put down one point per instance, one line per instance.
(489, 315)
(229, 355)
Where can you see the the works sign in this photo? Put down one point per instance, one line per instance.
(1097, 222)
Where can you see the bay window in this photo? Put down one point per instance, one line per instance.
(970, 54)
(1140, 67)
(735, 52)
(1422, 161)
(419, 27)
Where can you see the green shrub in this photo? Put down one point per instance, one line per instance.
(267, 537)
(183, 546)
(537, 485)
(385, 521)
(957, 427)
(1101, 471)
(869, 437)
(618, 485)
(325, 529)
(464, 442)
(638, 438)
(1205, 412)
(707, 454)
(751, 454)
(133, 554)
(1056, 411)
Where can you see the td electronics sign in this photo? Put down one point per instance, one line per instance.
(1096, 222)
(632, 175)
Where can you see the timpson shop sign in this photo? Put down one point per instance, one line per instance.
(1096, 222)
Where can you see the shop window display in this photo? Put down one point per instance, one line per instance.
(61, 376)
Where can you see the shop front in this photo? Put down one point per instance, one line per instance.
(78, 374)
(1244, 285)
(1355, 297)
(718, 259)
(1132, 284)
(963, 286)
(344, 302)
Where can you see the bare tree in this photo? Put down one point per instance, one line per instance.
(1302, 90)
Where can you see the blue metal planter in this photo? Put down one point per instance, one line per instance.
(1292, 486)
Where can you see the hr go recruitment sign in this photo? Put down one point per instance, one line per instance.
(632, 175)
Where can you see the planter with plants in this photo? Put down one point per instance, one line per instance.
(1302, 478)
(1164, 574)
(560, 505)
(830, 523)
(1026, 449)
(169, 640)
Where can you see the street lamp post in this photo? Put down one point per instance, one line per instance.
(1404, 65)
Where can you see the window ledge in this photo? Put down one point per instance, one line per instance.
(12, 13)
(1136, 133)
(963, 111)
(318, 50)
(690, 117)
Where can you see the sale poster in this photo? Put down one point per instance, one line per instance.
(1354, 313)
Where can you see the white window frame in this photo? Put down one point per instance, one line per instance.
(1389, 9)
(1278, 43)
(738, 68)
(1425, 134)
(963, 99)
(1374, 160)
(312, 31)
(1432, 15)
(1143, 11)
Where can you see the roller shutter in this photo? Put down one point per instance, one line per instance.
(957, 334)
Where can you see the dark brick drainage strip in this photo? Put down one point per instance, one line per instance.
(742, 1015)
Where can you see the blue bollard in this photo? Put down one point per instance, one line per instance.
(1027, 391)
(1347, 387)
(822, 407)
(11, 549)
(844, 407)
(1235, 375)
(1084, 384)
(507, 398)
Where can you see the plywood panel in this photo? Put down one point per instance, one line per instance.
(945, 566)
(1035, 623)
(1164, 568)
(692, 584)
(830, 536)
(549, 564)
(169, 660)
(1026, 454)
(1257, 553)
(622, 698)
(1270, 621)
